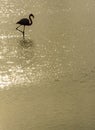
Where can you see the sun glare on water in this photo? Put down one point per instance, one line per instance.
(18, 76)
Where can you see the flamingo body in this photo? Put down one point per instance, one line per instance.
(24, 22)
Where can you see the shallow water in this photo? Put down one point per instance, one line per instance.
(47, 80)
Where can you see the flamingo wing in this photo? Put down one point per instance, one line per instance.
(23, 21)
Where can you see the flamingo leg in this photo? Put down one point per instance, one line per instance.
(24, 32)
(19, 29)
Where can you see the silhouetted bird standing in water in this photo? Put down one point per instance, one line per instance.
(25, 22)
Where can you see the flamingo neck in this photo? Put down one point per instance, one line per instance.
(30, 20)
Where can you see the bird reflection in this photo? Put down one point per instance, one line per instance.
(26, 43)
(25, 22)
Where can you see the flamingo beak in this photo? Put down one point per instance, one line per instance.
(32, 15)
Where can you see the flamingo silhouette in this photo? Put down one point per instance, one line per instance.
(25, 22)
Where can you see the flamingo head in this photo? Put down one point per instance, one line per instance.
(31, 15)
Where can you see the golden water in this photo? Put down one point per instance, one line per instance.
(47, 80)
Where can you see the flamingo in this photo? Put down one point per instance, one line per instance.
(25, 22)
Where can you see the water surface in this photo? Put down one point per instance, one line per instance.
(47, 80)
